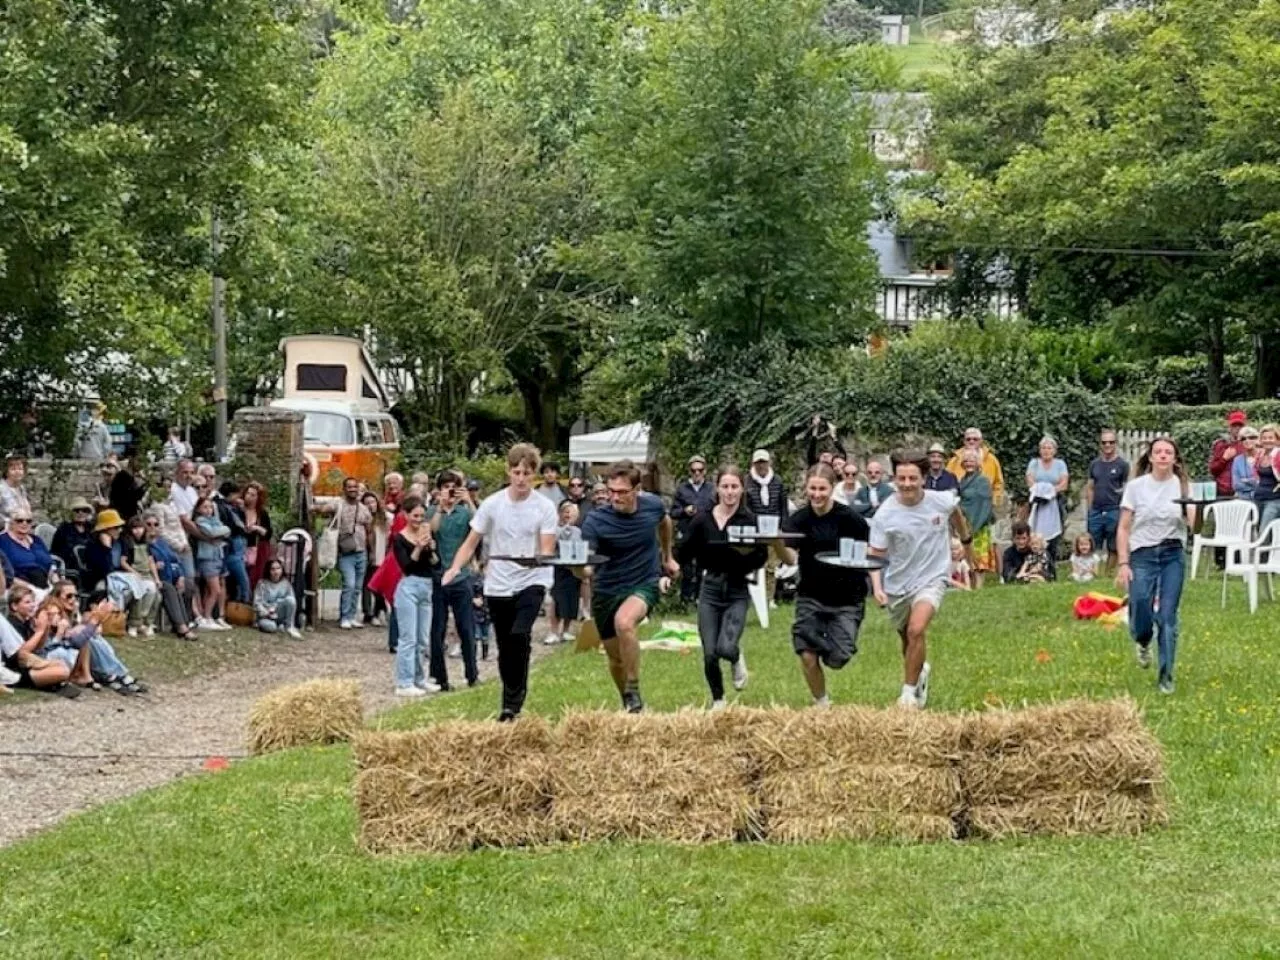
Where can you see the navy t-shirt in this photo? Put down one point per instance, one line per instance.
(1109, 477)
(629, 540)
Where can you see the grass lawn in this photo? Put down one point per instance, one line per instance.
(920, 57)
(261, 861)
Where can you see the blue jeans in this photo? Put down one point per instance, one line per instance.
(286, 616)
(1157, 574)
(1102, 525)
(233, 565)
(413, 617)
(457, 597)
(351, 566)
(103, 662)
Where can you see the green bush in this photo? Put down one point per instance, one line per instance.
(1142, 416)
(1195, 439)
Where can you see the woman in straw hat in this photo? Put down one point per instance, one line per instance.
(723, 598)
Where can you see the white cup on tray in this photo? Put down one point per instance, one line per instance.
(847, 547)
(768, 526)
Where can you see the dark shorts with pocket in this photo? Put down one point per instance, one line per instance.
(829, 632)
(604, 606)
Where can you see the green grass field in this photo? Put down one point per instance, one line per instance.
(921, 57)
(261, 860)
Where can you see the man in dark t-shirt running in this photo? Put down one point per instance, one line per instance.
(634, 532)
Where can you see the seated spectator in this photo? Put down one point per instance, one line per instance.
(21, 637)
(13, 495)
(1244, 473)
(26, 553)
(274, 603)
(1085, 561)
(72, 540)
(176, 589)
(79, 641)
(109, 570)
(136, 559)
(1016, 556)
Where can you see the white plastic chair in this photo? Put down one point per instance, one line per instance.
(1233, 525)
(1249, 561)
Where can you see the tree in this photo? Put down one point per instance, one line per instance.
(734, 170)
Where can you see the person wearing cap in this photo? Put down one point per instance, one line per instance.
(939, 477)
(13, 495)
(767, 497)
(694, 497)
(93, 442)
(26, 553)
(1224, 451)
(1244, 471)
(989, 467)
(73, 538)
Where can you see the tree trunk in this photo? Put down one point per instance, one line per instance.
(541, 411)
(1217, 357)
(1266, 365)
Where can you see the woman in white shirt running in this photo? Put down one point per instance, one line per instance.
(1151, 543)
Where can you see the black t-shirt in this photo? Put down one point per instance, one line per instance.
(1109, 477)
(708, 543)
(819, 581)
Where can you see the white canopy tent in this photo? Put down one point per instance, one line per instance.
(628, 442)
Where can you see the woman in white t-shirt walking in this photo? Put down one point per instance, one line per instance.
(1151, 543)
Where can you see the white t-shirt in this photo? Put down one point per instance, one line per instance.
(183, 498)
(917, 541)
(10, 639)
(1156, 517)
(513, 528)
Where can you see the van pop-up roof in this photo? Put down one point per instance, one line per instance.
(322, 367)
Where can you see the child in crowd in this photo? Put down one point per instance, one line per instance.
(1084, 561)
(374, 604)
(135, 558)
(566, 589)
(961, 575)
(480, 611)
(1036, 562)
(274, 604)
(209, 562)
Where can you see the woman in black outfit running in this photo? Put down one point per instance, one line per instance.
(723, 599)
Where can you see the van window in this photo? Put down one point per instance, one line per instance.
(368, 433)
(389, 434)
(322, 376)
(329, 428)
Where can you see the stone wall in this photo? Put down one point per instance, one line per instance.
(52, 484)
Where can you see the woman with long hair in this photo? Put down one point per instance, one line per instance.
(1266, 468)
(257, 526)
(1151, 543)
(415, 552)
(723, 597)
(373, 604)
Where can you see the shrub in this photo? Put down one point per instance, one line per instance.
(1142, 416)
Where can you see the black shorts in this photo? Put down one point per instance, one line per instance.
(24, 675)
(604, 606)
(829, 632)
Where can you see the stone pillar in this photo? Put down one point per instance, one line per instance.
(52, 484)
(268, 448)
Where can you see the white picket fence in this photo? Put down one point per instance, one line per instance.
(1131, 444)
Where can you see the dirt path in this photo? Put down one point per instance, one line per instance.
(197, 717)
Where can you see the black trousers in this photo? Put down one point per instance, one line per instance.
(512, 619)
(456, 597)
(722, 616)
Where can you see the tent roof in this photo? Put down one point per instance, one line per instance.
(630, 441)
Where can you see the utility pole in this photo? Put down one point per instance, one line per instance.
(219, 338)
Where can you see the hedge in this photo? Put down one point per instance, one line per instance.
(1144, 416)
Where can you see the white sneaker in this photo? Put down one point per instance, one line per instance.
(718, 705)
(551, 639)
(455, 653)
(131, 631)
(346, 625)
(204, 624)
(1144, 655)
(429, 686)
(148, 631)
(908, 699)
(8, 678)
(823, 702)
(410, 692)
(293, 632)
(773, 604)
(740, 675)
(223, 625)
(922, 685)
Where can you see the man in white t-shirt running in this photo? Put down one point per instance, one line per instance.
(514, 522)
(912, 531)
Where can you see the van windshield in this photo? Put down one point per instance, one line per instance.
(329, 428)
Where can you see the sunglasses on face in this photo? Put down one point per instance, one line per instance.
(20, 519)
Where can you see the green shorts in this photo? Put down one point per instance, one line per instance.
(604, 606)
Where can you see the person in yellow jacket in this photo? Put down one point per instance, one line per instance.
(990, 464)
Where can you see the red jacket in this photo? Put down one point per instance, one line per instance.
(1220, 465)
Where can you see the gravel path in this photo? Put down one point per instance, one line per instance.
(199, 717)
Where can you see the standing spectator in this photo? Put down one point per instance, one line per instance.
(939, 477)
(1151, 544)
(990, 464)
(450, 525)
(823, 432)
(234, 565)
(353, 550)
(94, 439)
(274, 605)
(72, 538)
(176, 591)
(550, 486)
(372, 603)
(175, 448)
(1224, 451)
(128, 490)
(694, 497)
(25, 552)
(257, 530)
(210, 557)
(13, 495)
(107, 471)
(875, 492)
(974, 491)
(847, 489)
(1108, 473)
(577, 495)
(1047, 481)
(1244, 474)
(392, 491)
(1266, 464)
(767, 497)
(566, 589)
(419, 563)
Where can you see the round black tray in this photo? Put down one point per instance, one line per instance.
(832, 558)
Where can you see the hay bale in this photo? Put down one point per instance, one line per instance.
(1012, 757)
(651, 776)
(1071, 814)
(305, 714)
(455, 786)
